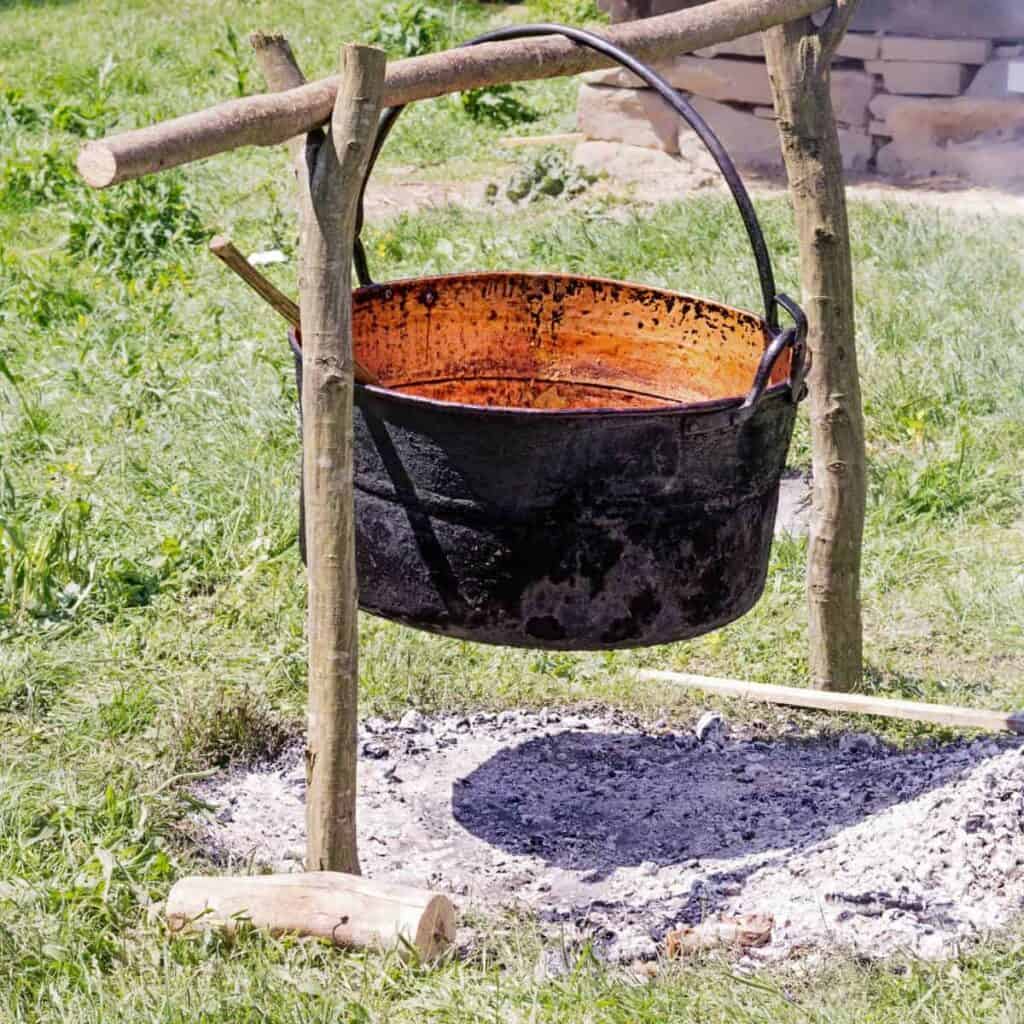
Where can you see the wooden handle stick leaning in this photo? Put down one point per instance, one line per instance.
(344, 909)
(226, 251)
(852, 703)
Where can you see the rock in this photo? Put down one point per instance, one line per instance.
(636, 164)
(736, 81)
(852, 91)
(916, 48)
(986, 19)
(751, 141)
(711, 728)
(793, 515)
(854, 46)
(373, 750)
(552, 963)
(858, 743)
(981, 140)
(913, 78)
(859, 46)
(636, 116)
(412, 721)
(631, 945)
(992, 81)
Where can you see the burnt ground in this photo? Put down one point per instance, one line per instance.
(606, 830)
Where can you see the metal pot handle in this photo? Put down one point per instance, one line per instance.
(676, 101)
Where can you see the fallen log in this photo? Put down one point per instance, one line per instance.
(853, 703)
(268, 120)
(344, 909)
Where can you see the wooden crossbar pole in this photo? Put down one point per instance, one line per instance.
(852, 703)
(268, 120)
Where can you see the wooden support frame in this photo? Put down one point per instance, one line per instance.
(799, 58)
(273, 119)
(330, 165)
(330, 174)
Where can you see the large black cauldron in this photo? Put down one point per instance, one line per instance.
(568, 462)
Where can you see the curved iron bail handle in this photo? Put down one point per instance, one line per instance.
(794, 338)
(772, 300)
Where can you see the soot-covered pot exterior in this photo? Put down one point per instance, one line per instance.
(567, 531)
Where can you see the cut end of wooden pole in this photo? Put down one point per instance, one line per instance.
(97, 165)
(436, 931)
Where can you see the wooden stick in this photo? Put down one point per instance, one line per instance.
(344, 909)
(799, 57)
(328, 198)
(272, 119)
(854, 703)
(226, 251)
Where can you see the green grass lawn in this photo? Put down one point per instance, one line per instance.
(151, 596)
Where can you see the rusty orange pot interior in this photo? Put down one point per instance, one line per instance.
(546, 341)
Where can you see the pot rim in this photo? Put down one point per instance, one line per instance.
(710, 406)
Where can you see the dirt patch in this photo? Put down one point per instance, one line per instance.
(615, 833)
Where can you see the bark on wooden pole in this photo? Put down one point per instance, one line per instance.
(335, 164)
(272, 119)
(799, 55)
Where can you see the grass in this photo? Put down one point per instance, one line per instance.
(151, 600)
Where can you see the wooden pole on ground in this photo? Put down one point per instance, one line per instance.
(335, 164)
(853, 703)
(272, 119)
(799, 55)
(344, 909)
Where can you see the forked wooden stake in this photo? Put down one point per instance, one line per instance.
(799, 56)
(852, 703)
(336, 164)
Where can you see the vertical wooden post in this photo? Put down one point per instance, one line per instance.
(799, 55)
(335, 163)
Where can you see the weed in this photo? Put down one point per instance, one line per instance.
(44, 569)
(567, 12)
(32, 178)
(237, 58)
(549, 174)
(128, 230)
(16, 111)
(498, 105)
(228, 728)
(409, 27)
(39, 292)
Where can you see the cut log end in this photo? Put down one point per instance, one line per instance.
(436, 931)
(347, 910)
(97, 165)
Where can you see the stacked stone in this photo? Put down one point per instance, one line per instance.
(905, 106)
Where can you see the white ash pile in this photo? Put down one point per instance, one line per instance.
(609, 831)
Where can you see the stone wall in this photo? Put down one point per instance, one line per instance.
(907, 105)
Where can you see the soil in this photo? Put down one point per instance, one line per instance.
(616, 833)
